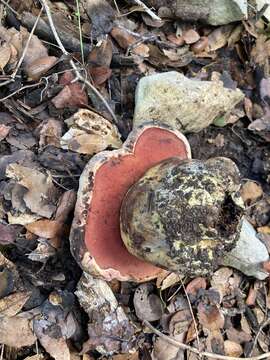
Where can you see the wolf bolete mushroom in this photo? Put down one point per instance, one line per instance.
(95, 235)
(184, 215)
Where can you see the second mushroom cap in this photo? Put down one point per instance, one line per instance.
(183, 215)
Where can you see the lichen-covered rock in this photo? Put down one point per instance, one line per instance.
(183, 104)
(248, 254)
(183, 215)
(214, 12)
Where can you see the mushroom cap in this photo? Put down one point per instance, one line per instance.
(95, 235)
(182, 214)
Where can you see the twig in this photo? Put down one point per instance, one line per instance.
(73, 65)
(264, 324)
(192, 314)
(26, 45)
(2, 352)
(19, 90)
(80, 29)
(183, 346)
(147, 10)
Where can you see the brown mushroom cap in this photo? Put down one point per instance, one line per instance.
(95, 237)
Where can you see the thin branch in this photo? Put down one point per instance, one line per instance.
(147, 10)
(183, 346)
(26, 45)
(73, 65)
(192, 314)
(19, 90)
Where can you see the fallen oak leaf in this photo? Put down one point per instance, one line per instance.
(39, 67)
(46, 228)
(16, 331)
(12, 304)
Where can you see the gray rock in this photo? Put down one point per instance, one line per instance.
(248, 254)
(184, 104)
(214, 12)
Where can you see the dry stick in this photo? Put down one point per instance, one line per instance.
(192, 314)
(73, 65)
(147, 10)
(26, 45)
(183, 346)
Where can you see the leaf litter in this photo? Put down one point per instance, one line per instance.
(52, 123)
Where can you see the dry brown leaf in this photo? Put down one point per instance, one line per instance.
(90, 133)
(100, 74)
(232, 348)
(56, 347)
(180, 322)
(170, 280)
(128, 41)
(71, 95)
(101, 55)
(8, 234)
(16, 332)
(4, 130)
(176, 40)
(134, 356)
(261, 51)
(50, 133)
(219, 37)
(238, 336)
(220, 281)
(251, 191)
(40, 66)
(41, 192)
(35, 357)
(65, 206)
(5, 54)
(162, 350)
(210, 317)
(12, 304)
(195, 285)
(191, 36)
(46, 228)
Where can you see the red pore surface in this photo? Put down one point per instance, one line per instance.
(111, 182)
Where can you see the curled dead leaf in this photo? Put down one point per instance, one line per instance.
(128, 41)
(210, 317)
(40, 66)
(12, 304)
(90, 133)
(45, 228)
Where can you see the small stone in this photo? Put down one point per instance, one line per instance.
(248, 254)
(214, 12)
(184, 104)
